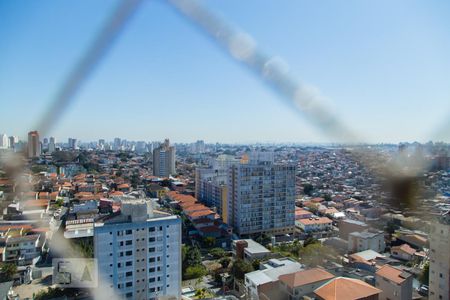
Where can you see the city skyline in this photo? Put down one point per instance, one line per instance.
(78, 141)
(380, 78)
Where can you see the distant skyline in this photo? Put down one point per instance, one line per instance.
(382, 66)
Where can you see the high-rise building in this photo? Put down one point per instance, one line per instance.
(141, 147)
(439, 274)
(211, 189)
(13, 140)
(34, 145)
(261, 196)
(211, 186)
(164, 160)
(139, 253)
(72, 143)
(197, 147)
(117, 144)
(4, 141)
(52, 145)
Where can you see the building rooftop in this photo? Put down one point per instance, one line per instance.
(393, 274)
(342, 288)
(367, 255)
(255, 248)
(354, 222)
(365, 234)
(264, 276)
(305, 277)
(317, 220)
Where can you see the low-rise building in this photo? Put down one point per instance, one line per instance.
(366, 240)
(347, 226)
(314, 224)
(248, 249)
(342, 288)
(23, 250)
(302, 283)
(394, 283)
(403, 252)
(264, 280)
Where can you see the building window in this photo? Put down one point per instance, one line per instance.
(129, 231)
(129, 284)
(129, 263)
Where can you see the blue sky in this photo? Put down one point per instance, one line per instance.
(383, 67)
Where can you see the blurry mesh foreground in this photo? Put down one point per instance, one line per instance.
(401, 174)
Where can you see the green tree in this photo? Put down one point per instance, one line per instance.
(202, 294)
(255, 264)
(327, 197)
(316, 254)
(240, 268)
(264, 239)
(135, 180)
(308, 189)
(194, 257)
(54, 293)
(193, 272)
(217, 253)
(310, 240)
(425, 275)
(8, 270)
(225, 261)
(59, 203)
(39, 168)
(391, 227)
(209, 241)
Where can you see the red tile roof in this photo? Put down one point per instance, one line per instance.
(305, 277)
(393, 274)
(342, 288)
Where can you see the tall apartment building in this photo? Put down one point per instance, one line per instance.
(211, 184)
(211, 189)
(261, 196)
(4, 141)
(34, 145)
(13, 140)
(439, 280)
(117, 144)
(139, 253)
(164, 160)
(72, 143)
(52, 145)
(197, 147)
